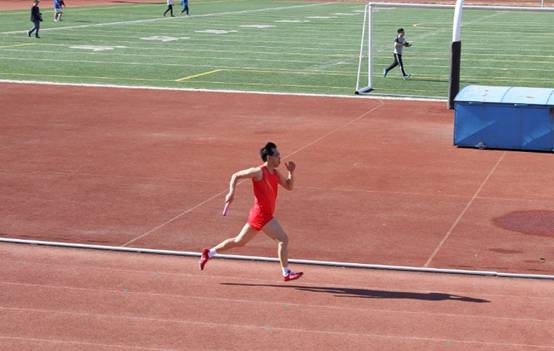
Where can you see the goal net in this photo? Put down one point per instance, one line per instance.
(503, 45)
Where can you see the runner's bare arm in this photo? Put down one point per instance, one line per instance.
(254, 172)
(288, 181)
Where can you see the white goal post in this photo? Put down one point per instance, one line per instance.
(366, 45)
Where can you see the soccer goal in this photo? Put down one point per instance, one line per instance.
(495, 35)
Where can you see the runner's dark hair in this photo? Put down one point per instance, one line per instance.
(267, 150)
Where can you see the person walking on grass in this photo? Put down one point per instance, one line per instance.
(399, 44)
(185, 6)
(169, 8)
(265, 181)
(36, 18)
(58, 10)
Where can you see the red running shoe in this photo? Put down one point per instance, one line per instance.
(292, 276)
(204, 258)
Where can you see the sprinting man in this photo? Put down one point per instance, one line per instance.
(36, 18)
(265, 181)
(399, 44)
(185, 6)
(58, 10)
(169, 8)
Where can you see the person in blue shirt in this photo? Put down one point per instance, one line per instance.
(58, 10)
(185, 6)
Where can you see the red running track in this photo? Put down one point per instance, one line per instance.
(378, 181)
(66, 299)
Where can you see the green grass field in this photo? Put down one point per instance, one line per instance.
(276, 46)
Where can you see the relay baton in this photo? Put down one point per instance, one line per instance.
(226, 208)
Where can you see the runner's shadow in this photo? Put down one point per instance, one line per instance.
(370, 294)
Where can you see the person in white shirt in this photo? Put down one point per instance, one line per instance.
(169, 8)
(399, 44)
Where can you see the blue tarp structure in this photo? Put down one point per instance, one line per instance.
(504, 118)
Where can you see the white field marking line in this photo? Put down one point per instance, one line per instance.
(335, 41)
(451, 229)
(337, 45)
(135, 33)
(231, 23)
(272, 50)
(16, 45)
(66, 342)
(263, 20)
(381, 104)
(88, 77)
(226, 83)
(257, 327)
(238, 59)
(300, 305)
(275, 260)
(221, 91)
(160, 27)
(307, 71)
(216, 44)
(152, 63)
(154, 29)
(157, 19)
(478, 60)
(465, 77)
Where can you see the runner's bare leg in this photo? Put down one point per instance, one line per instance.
(274, 230)
(246, 234)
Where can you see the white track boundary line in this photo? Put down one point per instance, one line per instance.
(272, 259)
(451, 229)
(143, 87)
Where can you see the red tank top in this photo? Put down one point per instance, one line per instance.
(265, 191)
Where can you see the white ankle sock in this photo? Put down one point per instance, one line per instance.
(286, 271)
(212, 253)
